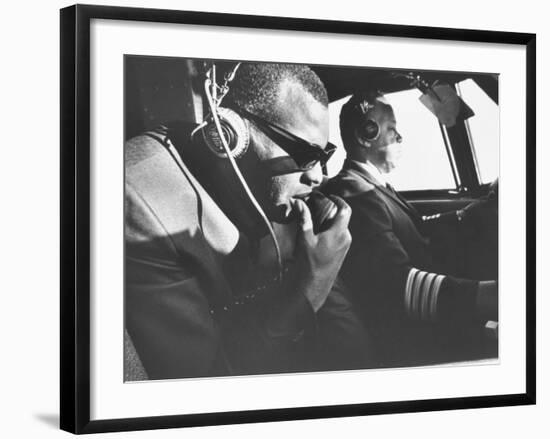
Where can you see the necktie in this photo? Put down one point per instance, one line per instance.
(392, 190)
(399, 197)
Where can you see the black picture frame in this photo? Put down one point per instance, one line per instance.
(75, 217)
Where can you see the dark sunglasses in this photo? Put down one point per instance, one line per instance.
(305, 154)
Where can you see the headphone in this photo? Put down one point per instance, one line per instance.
(234, 130)
(371, 129)
(226, 135)
(223, 121)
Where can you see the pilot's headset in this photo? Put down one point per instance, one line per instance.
(226, 134)
(370, 127)
(223, 122)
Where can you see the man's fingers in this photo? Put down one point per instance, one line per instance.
(304, 217)
(344, 212)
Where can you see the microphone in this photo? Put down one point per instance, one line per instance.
(322, 209)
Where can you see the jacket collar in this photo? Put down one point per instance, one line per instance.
(363, 172)
(372, 171)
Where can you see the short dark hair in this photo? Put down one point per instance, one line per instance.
(256, 86)
(354, 112)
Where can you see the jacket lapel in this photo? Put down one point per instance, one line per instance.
(363, 173)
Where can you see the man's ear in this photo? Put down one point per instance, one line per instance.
(361, 137)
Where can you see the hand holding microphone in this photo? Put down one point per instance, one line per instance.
(323, 241)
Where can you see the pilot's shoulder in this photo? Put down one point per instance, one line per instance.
(347, 184)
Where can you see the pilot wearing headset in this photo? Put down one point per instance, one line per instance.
(414, 314)
(226, 271)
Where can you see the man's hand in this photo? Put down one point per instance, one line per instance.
(317, 261)
(487, 300)
(482, 206)
(318, 258)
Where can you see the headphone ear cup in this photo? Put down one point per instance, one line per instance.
(372, 129)
(235, 132)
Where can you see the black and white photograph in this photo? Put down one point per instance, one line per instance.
(291, 219)
(302, 218)
(275, 219)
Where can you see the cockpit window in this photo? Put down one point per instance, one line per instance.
(483, 129)
(424, 163)
(337, 160)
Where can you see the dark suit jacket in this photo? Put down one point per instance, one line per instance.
(388, 241)
(193, 303)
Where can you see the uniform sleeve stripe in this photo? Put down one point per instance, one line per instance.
(417, 285)
(435, 293)
(421, 294)
(408, 288)
(426, 292)
(433, 296)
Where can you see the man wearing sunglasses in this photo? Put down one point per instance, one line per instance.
(305, 155)
(202, 298)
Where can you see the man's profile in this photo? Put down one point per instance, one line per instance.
(203, 292)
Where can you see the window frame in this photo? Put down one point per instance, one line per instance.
(463, 163)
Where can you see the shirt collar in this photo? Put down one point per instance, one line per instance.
(373, 171)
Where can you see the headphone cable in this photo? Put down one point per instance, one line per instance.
(214, 114)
